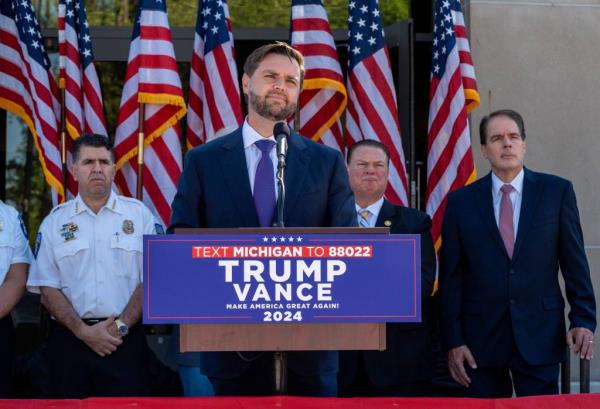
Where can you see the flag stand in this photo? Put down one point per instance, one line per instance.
(140, 152)
(63, 139)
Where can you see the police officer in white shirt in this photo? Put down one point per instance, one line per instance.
(15, 257)
(88, 268)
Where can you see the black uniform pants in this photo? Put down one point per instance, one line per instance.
(7, 347)
(78, 372)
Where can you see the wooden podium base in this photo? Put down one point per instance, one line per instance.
(283, 337)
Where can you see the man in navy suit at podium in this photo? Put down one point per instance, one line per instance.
(230, 183)
(504, 239)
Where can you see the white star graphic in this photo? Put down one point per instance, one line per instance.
(205, 25)
(291, 239)
(361, 22)
(448, 18)
(70, 13)
(35, 44)
(282, 239)
(356, 50)
(449, 31)
(436, 69)
(374, 27)
(349, 19)
(444, 50)
(358, 37)
(273, 239)
(445, 4)
(298, 239)
(31, 31)
(436, 55)
(86, 38)
(87, 52)
(375, 13)
(265, 239)
(352, 5)
(364, 9)
(217, 16)
(27, 16)
(372, 40)
(215, 29)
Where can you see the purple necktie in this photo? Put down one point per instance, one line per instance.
(506, 226)
(264, 184)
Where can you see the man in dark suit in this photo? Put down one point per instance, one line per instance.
(504, 239)
(230, 182)
(405, 367)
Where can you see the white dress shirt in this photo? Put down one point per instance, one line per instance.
(14, 247)
(95, 259)
(374, 208)
(253, 154)
(516, 197)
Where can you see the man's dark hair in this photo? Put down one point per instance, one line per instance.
(279, 48)
(367, 142)
(94, 141)
(509, 113)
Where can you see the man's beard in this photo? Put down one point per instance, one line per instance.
(274, 112)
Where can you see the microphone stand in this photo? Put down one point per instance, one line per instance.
(280, 357)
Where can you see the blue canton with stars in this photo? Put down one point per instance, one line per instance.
(211, 25)
(156, 5)
(23, 13)
(444, 38)
(366, 30)
(76, 17)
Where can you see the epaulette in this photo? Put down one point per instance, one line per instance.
(58, 206)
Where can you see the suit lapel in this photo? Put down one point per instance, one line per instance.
(297, 161)
(531, 198)
(486, 208)
(386, 214)
(235, 176)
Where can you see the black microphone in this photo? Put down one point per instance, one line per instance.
(281, 131)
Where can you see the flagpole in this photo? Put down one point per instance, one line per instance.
(63, 137)
(140, 153)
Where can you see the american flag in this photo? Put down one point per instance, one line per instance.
(151, 78)
(453, 94)
(372, 109)
(27, 87)
(84, 112)
(214, 91)
(323, 98)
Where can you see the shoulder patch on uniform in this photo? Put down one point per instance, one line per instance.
(23, 227)
(159, 228)
(38, 242)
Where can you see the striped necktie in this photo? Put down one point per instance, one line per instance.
(364, 218)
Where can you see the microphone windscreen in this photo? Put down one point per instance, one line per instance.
(281, 128)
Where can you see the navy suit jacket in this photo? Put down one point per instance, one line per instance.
(491, 302)
(408, 356)
(214, 191)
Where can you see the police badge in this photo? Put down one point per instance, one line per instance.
(128, 226)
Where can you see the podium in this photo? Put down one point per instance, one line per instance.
(284, 336)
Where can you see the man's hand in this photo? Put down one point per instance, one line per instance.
(99, 337)
(581, 341)
(456, 364)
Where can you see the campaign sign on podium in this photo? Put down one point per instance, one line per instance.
(281, 278)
